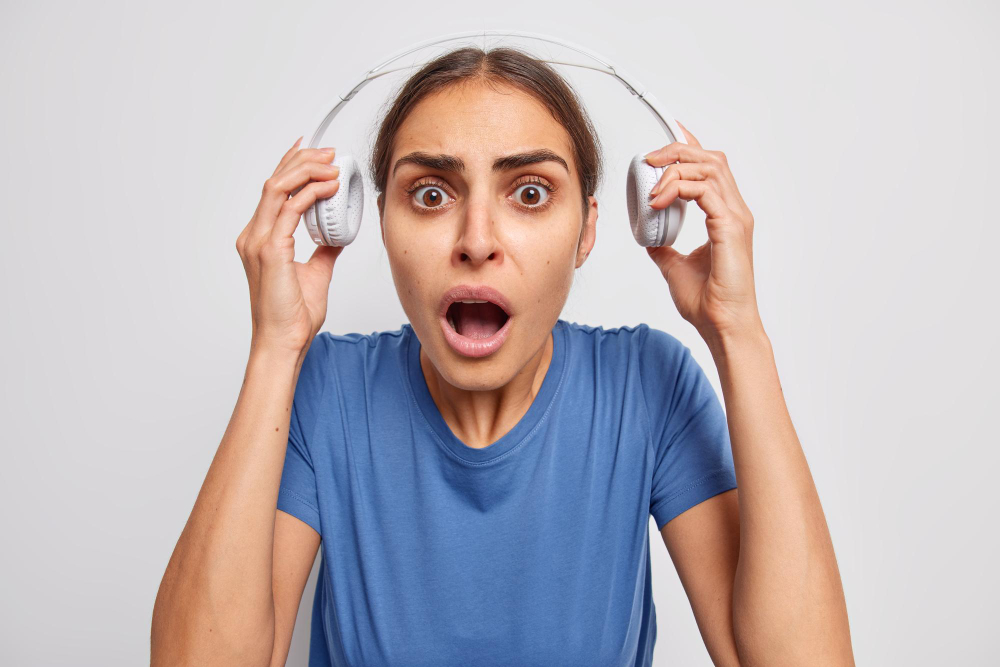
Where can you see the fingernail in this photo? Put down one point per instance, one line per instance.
(326, 150)
(298, 141)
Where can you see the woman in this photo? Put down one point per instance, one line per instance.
(481, 479)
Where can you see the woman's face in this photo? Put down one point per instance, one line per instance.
(455, 214)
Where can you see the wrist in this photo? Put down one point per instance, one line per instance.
(737, 340)
(262, 354)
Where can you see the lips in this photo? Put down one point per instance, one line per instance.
(473, 292)
(479, 321)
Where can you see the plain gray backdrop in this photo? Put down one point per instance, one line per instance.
(137, 137)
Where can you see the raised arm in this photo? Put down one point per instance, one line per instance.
(234, 580)
(758, 565)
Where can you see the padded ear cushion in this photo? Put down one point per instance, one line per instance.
(335, 220)
(650, 226)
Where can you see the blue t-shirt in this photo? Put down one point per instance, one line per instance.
(531, 551)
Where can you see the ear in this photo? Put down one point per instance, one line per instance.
(588, 234)
(381, 210)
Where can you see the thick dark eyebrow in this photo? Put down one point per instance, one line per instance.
(508, 162)
(451, 163)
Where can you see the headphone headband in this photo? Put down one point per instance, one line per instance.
(665, 120)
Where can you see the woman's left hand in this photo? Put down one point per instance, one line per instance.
(713, 286)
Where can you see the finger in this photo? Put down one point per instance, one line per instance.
(293, 208)
(703, 171)
(702, 192)
(672, 153)
(678, 152)
(277, 190)
(287, 156)
(684, 171)
(321, 155)
(690, 137)
(723, 225)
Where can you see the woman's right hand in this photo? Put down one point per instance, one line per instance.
(288, 298)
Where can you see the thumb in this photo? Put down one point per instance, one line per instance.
(323, 259)
(664, 257)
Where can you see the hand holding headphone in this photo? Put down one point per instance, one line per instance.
(335, 221)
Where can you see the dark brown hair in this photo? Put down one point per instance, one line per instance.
(508, 66)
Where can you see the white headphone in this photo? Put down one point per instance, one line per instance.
(335, 220)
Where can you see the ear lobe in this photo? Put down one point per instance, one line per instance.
(588, 235)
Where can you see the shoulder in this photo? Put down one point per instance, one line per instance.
(662, 352)
(604, 338)
(665, 366)
(354, 340)
(642, 341)
(350, 353)
(361, 343)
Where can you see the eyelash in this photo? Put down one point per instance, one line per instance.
(533, 180)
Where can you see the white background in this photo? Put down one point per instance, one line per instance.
(136, 139)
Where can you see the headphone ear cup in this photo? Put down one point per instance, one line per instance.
(650, 226)
(335, 220)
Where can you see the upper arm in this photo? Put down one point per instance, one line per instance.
(704, 545)
(295, 546)
(689, 434)
(297, 522)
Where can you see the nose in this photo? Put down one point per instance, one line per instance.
(478, 242)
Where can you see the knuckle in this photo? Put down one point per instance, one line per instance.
(251, 249)
(317, 154)
(295, 204)
(269, 251)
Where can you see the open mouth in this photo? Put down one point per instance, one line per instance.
(476, 318)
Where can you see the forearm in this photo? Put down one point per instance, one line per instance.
(788, 601)
(215, 604)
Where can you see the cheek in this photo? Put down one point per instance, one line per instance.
(414, 260)
(548, 270)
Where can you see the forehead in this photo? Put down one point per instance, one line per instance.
(477, 122)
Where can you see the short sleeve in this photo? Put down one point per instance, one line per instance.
(693, 457)
(297, 494)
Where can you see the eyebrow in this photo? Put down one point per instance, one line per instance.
(451, 163)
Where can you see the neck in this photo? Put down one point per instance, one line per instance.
(481, 417)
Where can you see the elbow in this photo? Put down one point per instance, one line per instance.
(188, 633)
(778, 639)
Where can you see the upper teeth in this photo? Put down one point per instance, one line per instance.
(473, 301)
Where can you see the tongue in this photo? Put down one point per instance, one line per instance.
(478, 320)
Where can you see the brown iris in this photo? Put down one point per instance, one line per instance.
(432, 197)
(530, 195)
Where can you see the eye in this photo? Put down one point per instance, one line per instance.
(532, 195)
(429, 196)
